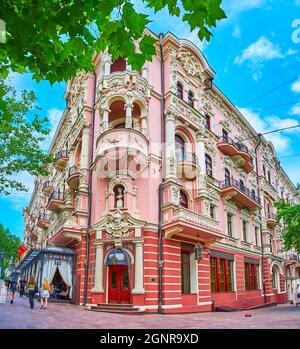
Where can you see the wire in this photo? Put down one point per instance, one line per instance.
(270, 91)
(269, 132)
(275, 106)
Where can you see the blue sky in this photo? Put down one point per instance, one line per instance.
(252, 52)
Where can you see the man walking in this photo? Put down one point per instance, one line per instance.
(12, 286)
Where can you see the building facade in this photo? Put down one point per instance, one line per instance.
(163, 189)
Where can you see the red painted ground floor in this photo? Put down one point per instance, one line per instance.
(128, 272)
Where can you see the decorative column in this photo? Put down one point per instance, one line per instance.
(105, 115)
(98, 283)
(128, 123)
(139, 269)
(144, 125)
(84, 163)
(170, 146)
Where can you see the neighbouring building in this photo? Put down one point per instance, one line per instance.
(172, 228)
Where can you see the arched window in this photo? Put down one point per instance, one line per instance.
(118, 65)
(180, 148)
(191, 99)
(227, 177)
(179, 90)
(183, 199)
(208, 165)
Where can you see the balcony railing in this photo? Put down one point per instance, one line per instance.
(73, 170)
(186, 156)
(238, 146)
(56, 195)
(238, 185)
(271, 216)
(43, 217)
(61, 154)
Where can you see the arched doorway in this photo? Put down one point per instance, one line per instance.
(119, 288)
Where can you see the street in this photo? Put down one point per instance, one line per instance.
(67, 316)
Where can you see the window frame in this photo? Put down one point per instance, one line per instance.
(251, 272)
(208, 165)
(223, 277)
(191, 99)
(179, 89)
(183, 276)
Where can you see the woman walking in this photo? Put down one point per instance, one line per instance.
(32, 289)
(45, 294)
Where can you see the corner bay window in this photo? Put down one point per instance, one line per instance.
(251, 276)
(221, 274)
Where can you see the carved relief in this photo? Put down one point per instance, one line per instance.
(118, 226)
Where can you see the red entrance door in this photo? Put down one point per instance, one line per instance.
(118, 281)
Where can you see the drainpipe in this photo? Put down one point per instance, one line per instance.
(160, 189)
(261, 231)
(90, 194)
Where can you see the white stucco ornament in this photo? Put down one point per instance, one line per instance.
(117, 226)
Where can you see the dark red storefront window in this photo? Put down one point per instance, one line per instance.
(251, 276)
(221, 274)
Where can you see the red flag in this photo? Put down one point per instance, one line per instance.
(22, 250)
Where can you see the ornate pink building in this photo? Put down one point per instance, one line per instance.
(175, 228)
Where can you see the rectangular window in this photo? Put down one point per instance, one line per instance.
(185, 272)
(221, 274)
(245, 231)
(213, 274)
(229, 225)
(251, 276)
(207, 121)
(256, 231)
(212, 212)
(225, 136)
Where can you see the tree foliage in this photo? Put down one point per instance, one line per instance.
(20, 137)
(53, 40)
(9, 244)
(291, 219)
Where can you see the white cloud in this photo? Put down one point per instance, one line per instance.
(280, 140)
(296, 85)
(295, 110)
(237, 32)
(260, 51)
(234, 7)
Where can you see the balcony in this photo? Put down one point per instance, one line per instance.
(242, 195)
(181, 223)
(291, 258)
(237, 151)
(73, 177)
(268, 188)
(55, 201)
(187, 165)
(61, 160)
(271, 219)
(43, 220)
(47, 188)
(121, 152)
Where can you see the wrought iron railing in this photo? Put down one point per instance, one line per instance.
(43, 216)
(47, 184)
(186, 156)
(239, 146)
(270, 215)
(73, 170)
(232, 182)
(56, 195)
(61, 154)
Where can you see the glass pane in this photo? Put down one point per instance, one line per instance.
(230, 276)
(213, 275)
(125, 279)
(185, 273)
(114, 279)
(222, 275)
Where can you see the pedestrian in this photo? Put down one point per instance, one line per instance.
(32, 289)
(297, 295)
(3, 292)
(22, 284)
(45, 294)
(12, 286)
